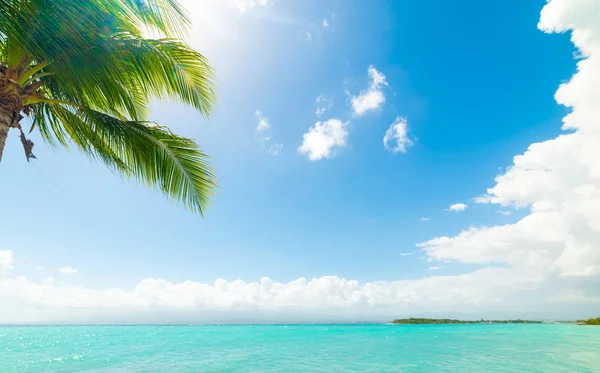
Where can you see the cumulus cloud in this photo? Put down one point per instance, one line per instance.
(371, 98)
(323, 104)
(396, 137)
(486, 292)
(68, 270)
(263, 122)
(323, 139)
(457, 207)
(275, 149)
(558, 181)
(6, 260)
(326, 23)
(262, 127)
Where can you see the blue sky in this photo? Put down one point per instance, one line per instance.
(475, 82)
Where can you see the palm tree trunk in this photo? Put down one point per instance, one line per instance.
(8, 101)
(5, 122)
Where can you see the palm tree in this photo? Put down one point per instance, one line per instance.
(83, 73)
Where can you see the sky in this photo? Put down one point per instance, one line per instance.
(375, 160)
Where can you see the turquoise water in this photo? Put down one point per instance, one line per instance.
(307, 348)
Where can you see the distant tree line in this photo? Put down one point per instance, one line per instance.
(421, 321)
(593, 321)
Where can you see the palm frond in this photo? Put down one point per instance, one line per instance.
(145, 151)
(87, 72)
(167, 67)
(167, 16)
(126, 72)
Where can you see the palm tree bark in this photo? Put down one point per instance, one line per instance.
(8, 103)
(10, 110)
(5, 124)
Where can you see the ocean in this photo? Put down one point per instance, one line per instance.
(548, 348)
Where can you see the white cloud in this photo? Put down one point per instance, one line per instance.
(557, 180)
(263, 122)
(435, 268)
(425, 219)
(6, 260)
(486, 292)
(396, 137)
(406, 254)
(505, 213)
(371, 98)
(68, 270)
(275, 149)
(263, 125)
(457, 207)
(323, 104)
(245, 5)
(324, 139)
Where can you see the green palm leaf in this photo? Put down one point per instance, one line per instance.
(84, 72)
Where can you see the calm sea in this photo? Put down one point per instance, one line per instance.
(308, 348)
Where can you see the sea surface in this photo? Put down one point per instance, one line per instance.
(548, 348)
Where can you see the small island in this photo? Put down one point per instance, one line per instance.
(424, 321)
(593, 321)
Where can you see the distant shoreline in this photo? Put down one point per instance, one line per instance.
(589, 322)
(426, 321)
